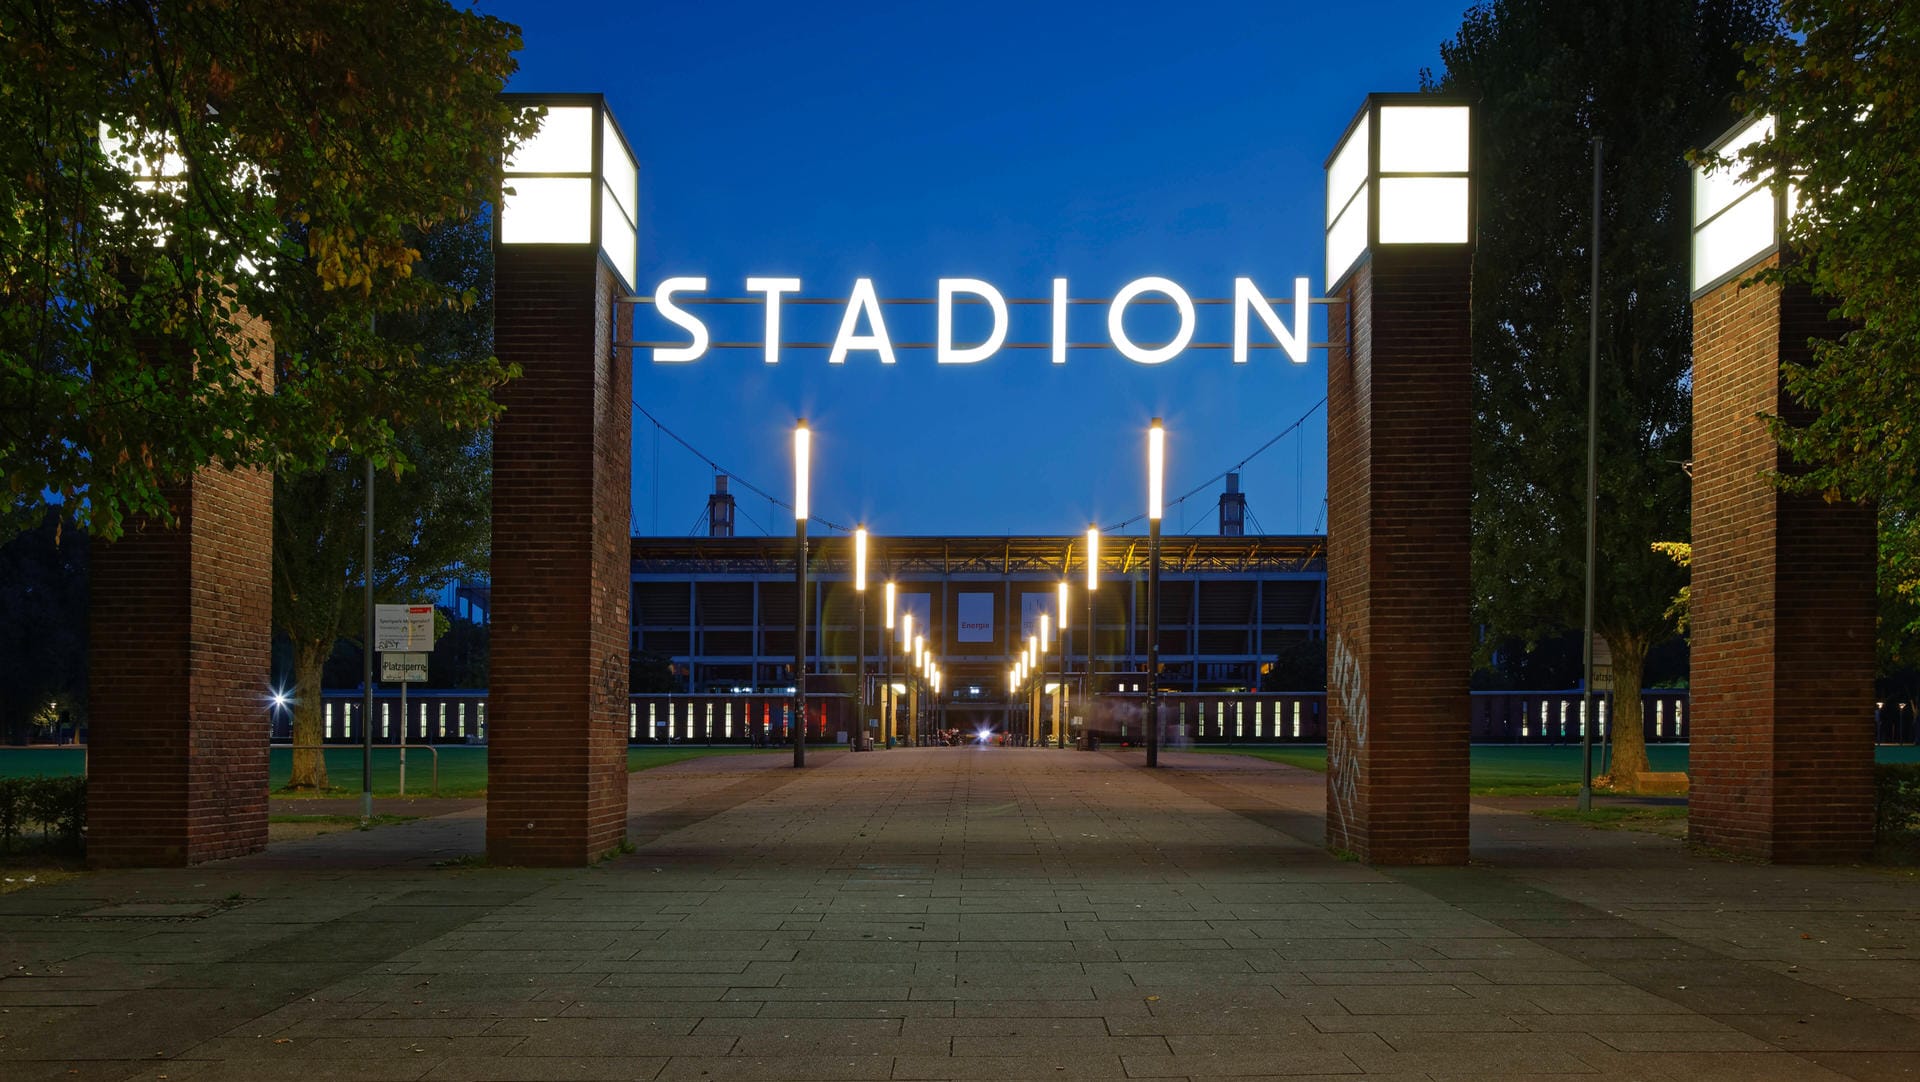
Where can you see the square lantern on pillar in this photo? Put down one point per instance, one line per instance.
(1737, 222)
(1400, 176)
(575, 181)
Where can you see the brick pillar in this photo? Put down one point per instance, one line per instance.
(182, 632)
(1398, 481)
(557, 713)
(1783, 605)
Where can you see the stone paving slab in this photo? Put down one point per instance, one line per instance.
(967, 913)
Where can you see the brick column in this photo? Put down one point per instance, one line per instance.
(1398, 629)
(557, 713)
(182, 631)
(1783, 619)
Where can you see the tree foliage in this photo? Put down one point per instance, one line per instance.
(303, 146)
(1652, 77)
(432, 521)
(1842, 80)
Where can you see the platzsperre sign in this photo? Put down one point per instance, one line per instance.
(863, 324)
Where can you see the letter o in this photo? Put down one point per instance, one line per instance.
(1117, 315)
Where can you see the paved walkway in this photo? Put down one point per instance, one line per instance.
(967, 914)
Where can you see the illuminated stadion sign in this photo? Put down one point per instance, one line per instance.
(863, 324)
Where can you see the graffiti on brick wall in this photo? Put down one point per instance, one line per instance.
(1346, 741)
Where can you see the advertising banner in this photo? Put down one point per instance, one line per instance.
(976, 618)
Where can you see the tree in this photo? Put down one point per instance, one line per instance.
(1654, 77)
(43, 624)
(1842, 80)
(293, 152)
(432, 521)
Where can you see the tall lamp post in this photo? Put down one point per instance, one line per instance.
(1093, 582)
(802, 453)
(860, 664)
(1046, 644)
(920, 666)
(1156, 473)
(886, 655)
(1060, 713)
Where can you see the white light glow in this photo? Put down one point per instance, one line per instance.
(1046, 631)
(617, 238)
(1059, 321)
(1093, 558)
(547, 210)
(681, 318)
(619, 171)
(1247, 300)
(1062, 589)
(802, 462)
(773, 288)
(564, 143)
(1156, 467)
(1347, 237)
(1716, 191)
(1742, 232)
(1424, 138)
(1423, 210)
(906, 628)
(1348, 172)
(1033, 650)
(945, 352)
(860, 559)
(863, 300)
(889, 604)
(1117, 326)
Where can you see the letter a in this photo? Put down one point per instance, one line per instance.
(863, 300)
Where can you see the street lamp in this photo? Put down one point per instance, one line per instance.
(1093, 583)
(887, 660)
(1060, 713)
(1156, 476)
(860, 663)
(802, 461)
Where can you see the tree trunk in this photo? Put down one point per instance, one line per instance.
(309, 762)
(1628, 724)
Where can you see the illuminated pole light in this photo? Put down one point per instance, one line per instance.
(802, 465)
(1046, 632)
(860, 637)
(1060, 715)
(886, 655)
(1156, 477)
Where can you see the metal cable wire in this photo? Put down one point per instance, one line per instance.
(1115, 528)
(1208, 483)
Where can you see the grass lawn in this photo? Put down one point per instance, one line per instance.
(463, 768)
(1500, 770)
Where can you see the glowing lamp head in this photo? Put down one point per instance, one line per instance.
(1061, 590)
(1401, 175)
(1736, 220)
(906, 629)
(860, 559)
(889, 604)
(1093, 558)
(574, 181)
(280, 699)
(1046, 631)
(1033, 650)
(1156, 467)
(802, 463)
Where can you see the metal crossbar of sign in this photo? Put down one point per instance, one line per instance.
(673, 298)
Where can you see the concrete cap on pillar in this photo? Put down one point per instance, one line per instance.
(1400, 176)
(1737, 220)
(573, 182)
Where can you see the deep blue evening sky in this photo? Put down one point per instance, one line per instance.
(1013, 142)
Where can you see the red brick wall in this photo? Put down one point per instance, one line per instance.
(1783, 607)
(182, 624)
(557, 711)
(1398, 626)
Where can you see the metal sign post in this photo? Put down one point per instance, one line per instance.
(404, 635)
